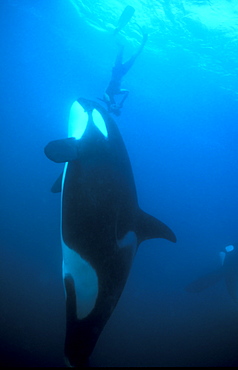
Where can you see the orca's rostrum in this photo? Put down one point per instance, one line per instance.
(102, 224)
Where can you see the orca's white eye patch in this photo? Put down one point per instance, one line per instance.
(229, 248)
(99, 122)
(78, 120)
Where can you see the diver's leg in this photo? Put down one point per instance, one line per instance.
(118, 61)
(125, 95)
(127, 65)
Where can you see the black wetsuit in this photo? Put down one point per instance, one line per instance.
(118, 71)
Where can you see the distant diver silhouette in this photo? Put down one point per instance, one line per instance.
(228, 271)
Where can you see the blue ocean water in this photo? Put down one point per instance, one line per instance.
(179, 124)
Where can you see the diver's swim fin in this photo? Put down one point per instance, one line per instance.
(124, 18)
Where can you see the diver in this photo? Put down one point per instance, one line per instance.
(118, 71)
(227, 271)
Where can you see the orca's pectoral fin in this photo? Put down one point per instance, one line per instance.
(149, 227)
(61, 151)
(57, 186)
(205, 281)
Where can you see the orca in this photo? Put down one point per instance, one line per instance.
(228, 271)
(102, 224)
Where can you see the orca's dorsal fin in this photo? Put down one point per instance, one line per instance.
(61, 151)
(149, 227)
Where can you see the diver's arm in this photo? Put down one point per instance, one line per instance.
(125, 95)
